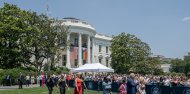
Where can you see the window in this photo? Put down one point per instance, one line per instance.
(100, 48)
(84, 45)
(74, 21)
(76, 42)
(84, 23)
(106, 62)
(76, 62)
(100, 60)
(106, 49)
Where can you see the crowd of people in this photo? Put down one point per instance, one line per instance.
(135, 83)
(128, 84)
(43, 80)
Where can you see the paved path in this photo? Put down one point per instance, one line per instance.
(16, 87)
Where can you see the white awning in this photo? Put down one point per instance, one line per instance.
(94, 67)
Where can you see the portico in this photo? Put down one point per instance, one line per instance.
(80, 50)
(83, 44)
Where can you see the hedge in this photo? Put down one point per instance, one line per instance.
(15, 72)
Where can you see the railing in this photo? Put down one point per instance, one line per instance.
(77, 21)
(150, 89)
(95, 85)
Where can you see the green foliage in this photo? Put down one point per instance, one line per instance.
(127, 51)
(25, 34)
(181, 66)
(46, 67)
(187, 68)
(178, 66)
(158, 71)
(149, 66)
(60, 70)
(14, 73)
(13, 24)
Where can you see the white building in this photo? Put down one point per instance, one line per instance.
(87, 46)
(166, 67)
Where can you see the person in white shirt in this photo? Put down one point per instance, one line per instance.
(32, 80)
(27, 80)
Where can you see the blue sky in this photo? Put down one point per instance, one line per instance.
(163, 24)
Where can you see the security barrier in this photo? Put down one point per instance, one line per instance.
(150, 89)
(95, 85)
(180, 90)
(158, 89)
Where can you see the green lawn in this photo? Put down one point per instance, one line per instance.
(40, 90)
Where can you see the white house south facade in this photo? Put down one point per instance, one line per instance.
(87, 46)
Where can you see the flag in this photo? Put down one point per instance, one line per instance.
(84, 54)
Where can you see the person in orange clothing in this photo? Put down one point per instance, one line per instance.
(78, 85)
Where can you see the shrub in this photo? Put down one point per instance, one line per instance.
(14, 74)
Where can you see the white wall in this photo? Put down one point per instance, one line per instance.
(165, 67)
(103, 44)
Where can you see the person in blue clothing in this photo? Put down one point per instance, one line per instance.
(20, 80)
(106, 86)
(131, 84)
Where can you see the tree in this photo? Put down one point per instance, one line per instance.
(13, 26)
(127, 51)
(28, 39)
(149, 66)
(178, 66)
(47, 43)
(59, 42)
(187, 65)
(187, 68)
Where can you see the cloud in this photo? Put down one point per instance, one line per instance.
(186, 19)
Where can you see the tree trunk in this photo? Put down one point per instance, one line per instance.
(51, 63)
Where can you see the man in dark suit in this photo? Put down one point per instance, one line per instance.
(20, 80)
(46, 78)
(131, 84)
(8, 80)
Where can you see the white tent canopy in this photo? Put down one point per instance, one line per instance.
(94, 67)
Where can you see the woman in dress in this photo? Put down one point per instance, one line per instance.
(122, 88)
(83, 83)
(78, 85)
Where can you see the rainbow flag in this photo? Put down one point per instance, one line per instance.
(84, 54)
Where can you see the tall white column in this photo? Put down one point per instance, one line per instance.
(93, 46)
(88, 52)
(68, 65)
(80, 51)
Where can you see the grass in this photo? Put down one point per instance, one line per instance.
(40, 90)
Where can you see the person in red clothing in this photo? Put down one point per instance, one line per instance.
(78, 85)
(122, 88)
(68, 78)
